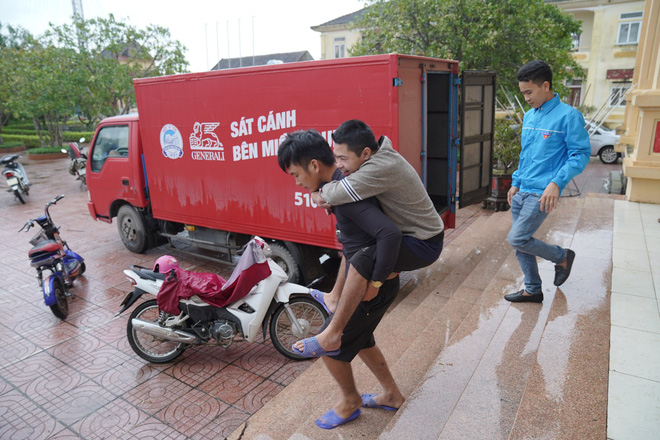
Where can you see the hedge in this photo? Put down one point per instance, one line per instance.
(27, 140)
(32, 141)
(45, 150)
(74, 136)
(12, 144)
(12, 130)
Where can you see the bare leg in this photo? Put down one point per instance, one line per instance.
(350, 398)
(375, 361)
(332, 298)
(353, 293)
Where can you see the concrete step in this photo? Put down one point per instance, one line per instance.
(526, 370)
(438, 302)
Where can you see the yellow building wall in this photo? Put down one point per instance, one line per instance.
(598, 51)
(328, 38)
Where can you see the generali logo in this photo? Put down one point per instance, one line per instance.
(204, 143)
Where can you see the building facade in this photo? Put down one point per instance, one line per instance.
(606, 48)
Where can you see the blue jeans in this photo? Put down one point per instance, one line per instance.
(527, 219)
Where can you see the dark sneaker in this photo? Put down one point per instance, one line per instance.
(518, 297)
(561, 273)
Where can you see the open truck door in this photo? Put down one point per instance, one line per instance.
(443, 146)
(477, 118)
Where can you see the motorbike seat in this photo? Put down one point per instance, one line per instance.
(8, 159)
(147, 274)
(44, 248)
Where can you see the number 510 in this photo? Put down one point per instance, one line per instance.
(304, 199)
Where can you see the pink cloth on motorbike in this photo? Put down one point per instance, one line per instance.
(210, 287)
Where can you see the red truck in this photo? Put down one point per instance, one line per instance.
(198, 166)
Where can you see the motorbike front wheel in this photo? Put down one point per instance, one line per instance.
(151, 348)
(310, 316)
(19, 196)
(61, 306)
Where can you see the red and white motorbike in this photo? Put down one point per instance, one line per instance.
(159, 336)
(78, 164)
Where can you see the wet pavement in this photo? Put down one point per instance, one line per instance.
(80, 378)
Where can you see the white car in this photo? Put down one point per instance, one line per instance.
(602, 142)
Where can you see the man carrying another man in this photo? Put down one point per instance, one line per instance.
(374, 169)
(370, 244)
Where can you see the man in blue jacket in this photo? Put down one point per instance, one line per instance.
(555, 149)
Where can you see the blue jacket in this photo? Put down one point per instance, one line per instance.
(555, 147)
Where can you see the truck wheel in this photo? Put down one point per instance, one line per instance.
(132, 230)
(281, 255)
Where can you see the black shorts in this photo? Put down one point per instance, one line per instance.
(359, 331)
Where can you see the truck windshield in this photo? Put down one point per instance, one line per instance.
(110, 142)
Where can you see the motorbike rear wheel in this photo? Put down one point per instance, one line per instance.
(151, 348)
(19, 196)
(310, 315)
(61, 306)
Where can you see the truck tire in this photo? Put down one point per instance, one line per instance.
(132, 230)
(281, 255)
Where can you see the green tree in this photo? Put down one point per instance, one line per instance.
(84, 69)
(42, 79)
(12, 41)
(110, 54)
(501, 35)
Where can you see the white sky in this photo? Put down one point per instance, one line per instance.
(209, 29)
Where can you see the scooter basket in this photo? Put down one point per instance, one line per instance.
(41, 236)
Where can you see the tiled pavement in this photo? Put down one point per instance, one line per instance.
(80, 379)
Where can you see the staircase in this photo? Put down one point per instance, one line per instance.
(472, 365)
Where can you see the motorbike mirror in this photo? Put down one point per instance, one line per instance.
(82, 139)
(63, 150)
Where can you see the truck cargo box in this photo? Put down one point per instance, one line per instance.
(210, 139)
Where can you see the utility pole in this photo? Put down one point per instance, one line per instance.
(78, 12)
(77, 8)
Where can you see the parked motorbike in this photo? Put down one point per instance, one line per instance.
(16, 178)
(78, 164)
(51, 253)
(159, 337)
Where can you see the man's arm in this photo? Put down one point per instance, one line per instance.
(579, 150)
(373, 178)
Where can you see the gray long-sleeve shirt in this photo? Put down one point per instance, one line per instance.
(398, 188)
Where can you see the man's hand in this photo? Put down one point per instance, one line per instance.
(549, 197)
(316, 198)
(512, 192)
(371, 292)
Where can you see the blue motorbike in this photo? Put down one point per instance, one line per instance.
(51, 253)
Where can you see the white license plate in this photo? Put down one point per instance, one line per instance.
(12, 181)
